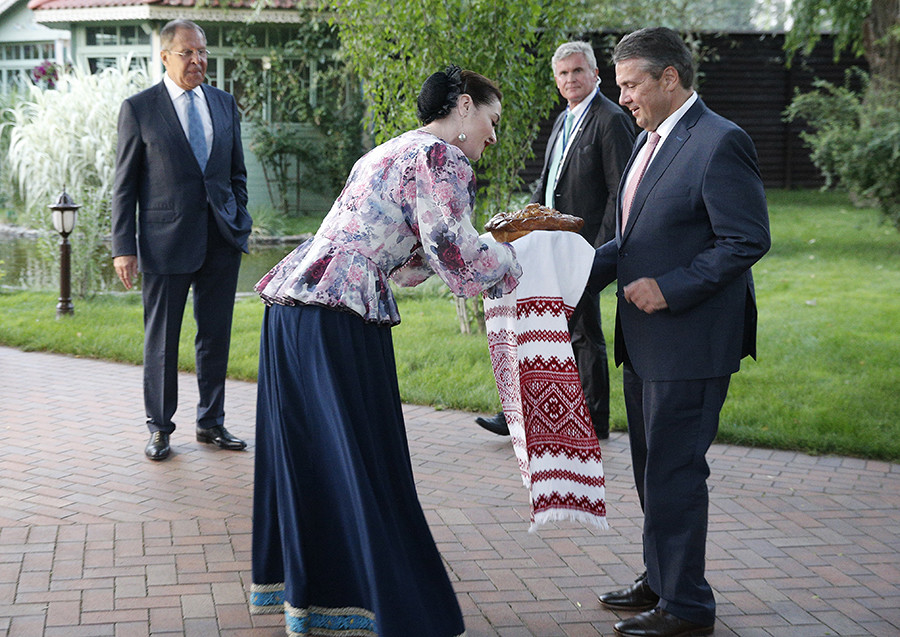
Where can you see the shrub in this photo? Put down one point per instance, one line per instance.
(306, 111)
(65, 138)
(855, 139)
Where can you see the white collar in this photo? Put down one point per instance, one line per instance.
(176, 91)
(668, 124)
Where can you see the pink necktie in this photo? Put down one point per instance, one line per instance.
(628, 198)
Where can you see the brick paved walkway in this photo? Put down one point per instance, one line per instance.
(95, 540)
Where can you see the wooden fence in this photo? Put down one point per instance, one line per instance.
(747, 81)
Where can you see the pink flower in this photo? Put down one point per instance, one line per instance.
(448, 253)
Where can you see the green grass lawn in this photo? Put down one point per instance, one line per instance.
(826, 380)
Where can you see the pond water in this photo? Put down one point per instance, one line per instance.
(16, 248)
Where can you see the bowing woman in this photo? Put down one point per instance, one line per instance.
(340, 542)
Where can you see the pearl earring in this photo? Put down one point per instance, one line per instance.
(461, 137)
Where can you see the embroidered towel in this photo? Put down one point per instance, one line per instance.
(552, 435)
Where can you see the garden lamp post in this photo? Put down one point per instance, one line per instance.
(65, 213)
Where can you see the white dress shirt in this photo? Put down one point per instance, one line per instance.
(180, 101)
(663, 131)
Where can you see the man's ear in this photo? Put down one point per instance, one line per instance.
(670, 78)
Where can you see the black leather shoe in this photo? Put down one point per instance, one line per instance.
(496, 425)
(158, 447)
(601, 425)
(638, 596)
(220, 437)
(659, 623)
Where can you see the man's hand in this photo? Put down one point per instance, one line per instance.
(645, 295)
(126, 269)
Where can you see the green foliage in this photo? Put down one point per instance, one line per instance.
(862, 27)
(268, 222)
(305, 109)
(394, 46)
(855, 142)
(843, 18)
(65, 137)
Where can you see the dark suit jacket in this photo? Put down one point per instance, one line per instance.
(157, 174)
(699, 220)
(589, 176)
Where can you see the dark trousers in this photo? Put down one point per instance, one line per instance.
(165, 297)
(589, 348)
(671, 425)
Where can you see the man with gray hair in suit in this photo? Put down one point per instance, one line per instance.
(180, 166)
(692, 221)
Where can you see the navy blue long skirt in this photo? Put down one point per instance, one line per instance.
(340, 543)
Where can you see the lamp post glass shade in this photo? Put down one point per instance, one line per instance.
(64, 213)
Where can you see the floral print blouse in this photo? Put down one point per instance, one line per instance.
(404, 214)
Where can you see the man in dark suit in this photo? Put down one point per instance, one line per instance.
(180, 164)
(691, 224)
(588, 148)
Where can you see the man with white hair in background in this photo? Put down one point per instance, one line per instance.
(587, 151)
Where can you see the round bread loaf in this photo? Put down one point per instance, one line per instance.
(509, 226)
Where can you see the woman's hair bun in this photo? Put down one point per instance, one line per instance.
(439, 94)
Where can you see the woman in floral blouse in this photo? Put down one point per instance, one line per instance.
(340, 542)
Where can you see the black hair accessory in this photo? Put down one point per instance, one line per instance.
(439, 94)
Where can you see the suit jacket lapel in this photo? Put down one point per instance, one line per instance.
(166, 109)
(217, 115)
(638, 144)
(666, 153)
(576, 134)
(555, 132)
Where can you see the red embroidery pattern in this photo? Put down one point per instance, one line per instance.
(565, 450)
(556, 448)
(555, 500)
(561, 474)
(539, 306)
(496, 311)
(501, 337)
(550, 365)
(547, 336)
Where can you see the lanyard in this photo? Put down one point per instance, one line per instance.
(576, 124)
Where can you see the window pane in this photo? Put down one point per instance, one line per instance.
(100, 36)
(98, 64)
(281, 35)
(228, 84)
(211, 69)
(258, 33)
(128, 34)
(213, 34)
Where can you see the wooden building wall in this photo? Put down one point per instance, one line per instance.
(748, 82)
